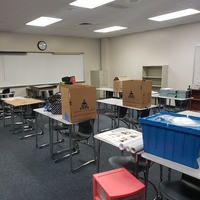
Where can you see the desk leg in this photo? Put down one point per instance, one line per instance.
(12, 118)
(169, 174)
(22, 118)
(51, 136)
(70, 149)
(98, 110)
(3, 107)
(146, 177)
(36, 125)
(136, 164)
(98, 155)
(118, 114)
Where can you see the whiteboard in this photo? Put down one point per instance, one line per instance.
(196, 67)
(39, 68)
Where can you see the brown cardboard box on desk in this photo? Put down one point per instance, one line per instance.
(118, 81)
(137, 93)
(78, 102)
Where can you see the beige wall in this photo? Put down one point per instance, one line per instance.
(172, 46)
(28, 43)
(124, 55)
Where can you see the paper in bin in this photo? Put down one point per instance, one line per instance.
(132, 145)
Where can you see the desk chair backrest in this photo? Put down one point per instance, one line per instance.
(86, 127)
(144, 113)
(122, 112)
(162, 102)
(6, 90)
(186, 188)
(191, 182)
(181, 104)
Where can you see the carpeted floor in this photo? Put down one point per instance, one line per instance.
(29, 173)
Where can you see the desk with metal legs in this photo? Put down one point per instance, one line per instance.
(170, 164)
(42, 88)
(156, 96)
(107, 91)
(101, 138)
(20, 102)
(9, 99)
(70, 125)
(42, 113)
(118, 102)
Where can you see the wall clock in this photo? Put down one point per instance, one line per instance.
(42, 45)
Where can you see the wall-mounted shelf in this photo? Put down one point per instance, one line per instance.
(158, 75)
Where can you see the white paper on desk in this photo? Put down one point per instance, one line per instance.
(138, 147)
(132, 145)
(13, 98)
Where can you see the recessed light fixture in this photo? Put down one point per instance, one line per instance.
(110, 29)
(181, 13)
(90, 3)
(43, 21)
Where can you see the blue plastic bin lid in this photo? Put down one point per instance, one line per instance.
(173, 121)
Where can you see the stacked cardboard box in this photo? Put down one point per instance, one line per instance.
(118, 82)
(137, 93)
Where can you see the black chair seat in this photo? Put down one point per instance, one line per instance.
(187, 188)
(128, 162)
(77, 136)
(60, 127)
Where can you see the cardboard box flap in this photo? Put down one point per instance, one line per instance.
(118, 82)
(121, 78)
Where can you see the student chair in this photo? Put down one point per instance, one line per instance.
(83, 135)
(5, 94)
(29, 121)
(135, 164)
(162, 104)
(118, 114)
(186, 188)
(133, 122)
(180, 105)
(58, 127)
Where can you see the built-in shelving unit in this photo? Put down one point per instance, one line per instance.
(158, 75)
(195, 102)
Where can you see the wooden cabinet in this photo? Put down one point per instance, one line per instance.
(158, 75)
(195, 102)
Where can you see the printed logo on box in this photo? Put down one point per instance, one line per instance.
(84, 105)
(131, 95)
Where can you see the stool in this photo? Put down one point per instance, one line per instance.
(117, 184)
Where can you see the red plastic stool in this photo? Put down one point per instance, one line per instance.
(117, 184)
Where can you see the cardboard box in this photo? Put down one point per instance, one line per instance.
(118, 82)
(78, 102)
(137, 93)
(67, 85)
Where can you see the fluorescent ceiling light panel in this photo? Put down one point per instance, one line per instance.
(43, 21)
(90, 3)
(174, 15)
(110, 29)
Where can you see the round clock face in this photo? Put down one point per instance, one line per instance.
(42, 45)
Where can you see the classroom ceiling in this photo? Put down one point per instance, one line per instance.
(81, 22)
